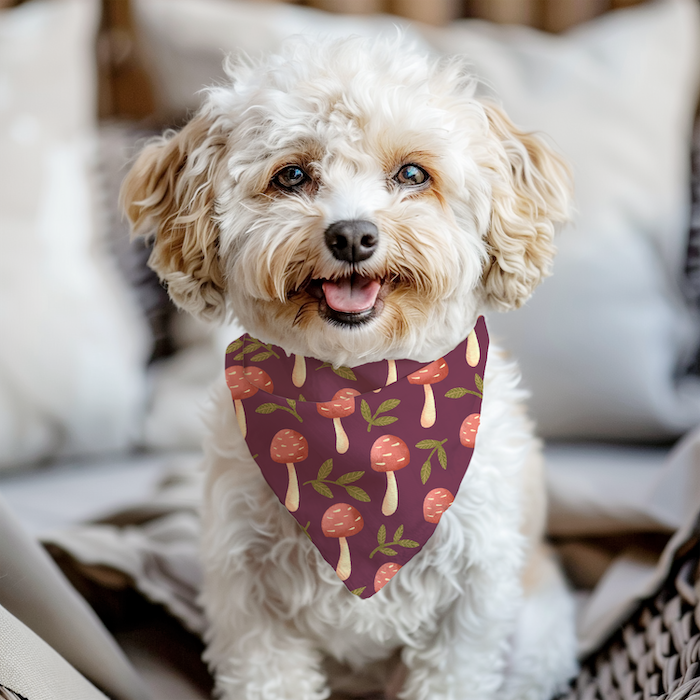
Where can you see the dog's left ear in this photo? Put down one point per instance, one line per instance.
(171, 188)
(531, 192)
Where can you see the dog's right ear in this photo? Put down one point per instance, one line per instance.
(171, 189)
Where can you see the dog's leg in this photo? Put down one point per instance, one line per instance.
(258, 658)
(543, 655)
(466, 658)
(253, 648)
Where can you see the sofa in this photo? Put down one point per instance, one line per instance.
(103, 383)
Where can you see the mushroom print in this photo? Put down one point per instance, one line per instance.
(240, 389)
(299, 371)
(340, 406)
(473, 352)
(384, 574)
(259, 378)
(430, 374)
(435, 504)
(389, 454)
(467, 433)
(289, 447)
(341, 521)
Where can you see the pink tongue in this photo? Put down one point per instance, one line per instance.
(351, 294)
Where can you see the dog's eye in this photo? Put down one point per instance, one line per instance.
(290, 177)
(411, 175)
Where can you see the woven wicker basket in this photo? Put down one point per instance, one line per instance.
(656, 653)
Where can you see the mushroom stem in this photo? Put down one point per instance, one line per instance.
(391, 375)
(344, 567)
(240, 416)
(427, 417)
(291, 500)
(341, 437)
(299, 371)
(391, 498)
(473, 352)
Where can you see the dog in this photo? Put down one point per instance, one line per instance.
(446, 210)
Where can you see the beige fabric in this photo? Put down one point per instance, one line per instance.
(34, 590)
(673, 497)
(30, 667)
(155, 542)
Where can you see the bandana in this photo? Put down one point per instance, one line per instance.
(366, 459)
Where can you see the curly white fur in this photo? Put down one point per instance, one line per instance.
(481, 611)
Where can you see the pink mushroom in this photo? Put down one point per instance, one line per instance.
(340, 406)
(384, 574)
(289, 447)
(240, 389)
(389, 454)
(470, 426)
(435, 504)
(341, 521)
(430, 374)
(260, 379)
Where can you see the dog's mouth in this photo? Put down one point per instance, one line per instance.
(349, 301)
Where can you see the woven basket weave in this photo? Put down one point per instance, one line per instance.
(655, 655)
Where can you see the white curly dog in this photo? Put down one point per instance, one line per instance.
(446, 211)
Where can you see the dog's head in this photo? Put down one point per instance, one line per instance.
(350, 200)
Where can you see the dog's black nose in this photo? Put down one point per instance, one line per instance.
(352, 241)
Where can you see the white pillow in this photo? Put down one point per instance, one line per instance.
(73, 346)
(602, 344)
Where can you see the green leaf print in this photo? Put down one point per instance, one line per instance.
(434, 446)
(322, 489)
(344, 372)
(253, 345)
(325, 470)
(345, 481)
(377, 420)
(305, 529)
(388, 405)
(365, 410)
(266, 408)
(350, 477)
(235, 345)
(359, 591)
(358, 494)
(425, 471)
(479, 383)
(457, 393)
(384, 547)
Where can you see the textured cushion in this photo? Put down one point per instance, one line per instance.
(73, 345)
(604, 343)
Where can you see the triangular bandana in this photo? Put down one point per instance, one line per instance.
(366, 459)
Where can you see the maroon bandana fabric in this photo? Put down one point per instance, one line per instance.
(366, 459)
